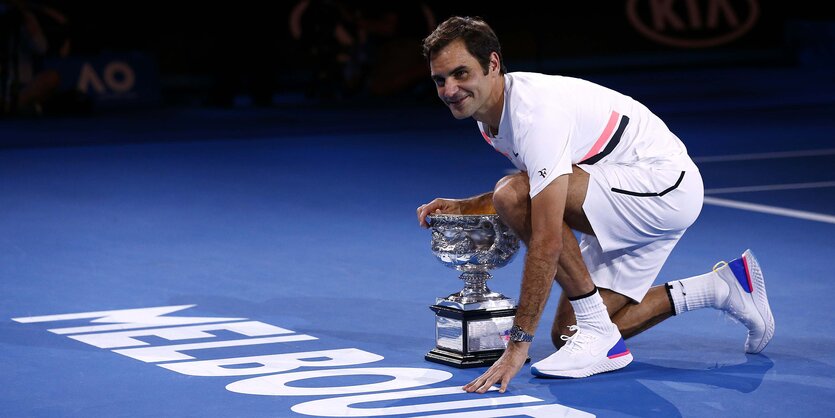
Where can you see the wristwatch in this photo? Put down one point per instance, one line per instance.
(519, 335)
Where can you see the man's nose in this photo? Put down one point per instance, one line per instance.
(449, 90)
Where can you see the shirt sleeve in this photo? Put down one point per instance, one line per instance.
(546, 151)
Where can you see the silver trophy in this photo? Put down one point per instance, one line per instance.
(472, 326)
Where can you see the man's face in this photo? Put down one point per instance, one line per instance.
(460, 80)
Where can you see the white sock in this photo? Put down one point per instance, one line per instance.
(705, 291)
(591, 314)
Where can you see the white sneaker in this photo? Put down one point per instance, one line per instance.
(747, 301)
(584, 354)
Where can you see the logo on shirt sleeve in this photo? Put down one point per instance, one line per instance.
(543, 173)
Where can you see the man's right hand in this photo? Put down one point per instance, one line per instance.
(450, 206)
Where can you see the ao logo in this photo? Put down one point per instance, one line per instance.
(117, 76)
(693, 23)
(118, 329)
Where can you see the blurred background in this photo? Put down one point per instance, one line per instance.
(65, 58)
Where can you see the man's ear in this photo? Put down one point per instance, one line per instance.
(494, 62)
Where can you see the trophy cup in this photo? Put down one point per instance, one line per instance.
(472, 326)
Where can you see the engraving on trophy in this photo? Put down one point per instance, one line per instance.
(472, 325)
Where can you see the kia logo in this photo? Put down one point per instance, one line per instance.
(692, 23)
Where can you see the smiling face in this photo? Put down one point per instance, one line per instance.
(462, 84)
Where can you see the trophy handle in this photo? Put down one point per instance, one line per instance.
(498, 235)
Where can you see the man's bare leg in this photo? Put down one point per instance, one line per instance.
(635, 318)
(512, 196)
(598, 346)
(512, 201)
(630, 317)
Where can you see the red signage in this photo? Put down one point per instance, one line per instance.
(693, 23)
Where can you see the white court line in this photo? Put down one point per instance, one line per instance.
(765, 155)
(771, 187)
(774, 210)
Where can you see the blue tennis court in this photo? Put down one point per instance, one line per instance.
(268, 263)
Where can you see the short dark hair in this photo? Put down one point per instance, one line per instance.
(478, 37)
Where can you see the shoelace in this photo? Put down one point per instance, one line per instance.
(577, 341)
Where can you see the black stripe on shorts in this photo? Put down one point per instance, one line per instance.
(661, 193)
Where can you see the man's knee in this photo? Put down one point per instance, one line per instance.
(511, 192)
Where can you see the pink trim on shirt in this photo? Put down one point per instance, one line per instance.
(486, 138)
(607, 133)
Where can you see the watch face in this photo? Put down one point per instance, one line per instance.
(516, 334)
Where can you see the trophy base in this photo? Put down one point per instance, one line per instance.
(465, 361)
(473, 334)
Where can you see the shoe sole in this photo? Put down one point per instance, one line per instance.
(760, 299)
(607, 365)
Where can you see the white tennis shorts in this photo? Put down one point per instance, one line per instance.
(638, 214)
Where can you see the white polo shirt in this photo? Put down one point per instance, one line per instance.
(550, 122)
